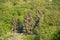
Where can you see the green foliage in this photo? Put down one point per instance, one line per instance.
(28, 37)
(49, 21)
(1, 31)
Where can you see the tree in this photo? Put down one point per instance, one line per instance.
(14, 24)
(38, 15)
(28, 24)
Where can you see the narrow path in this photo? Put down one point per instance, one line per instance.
(13, 36)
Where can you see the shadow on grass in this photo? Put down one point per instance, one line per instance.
(37, 37)
(57, 36)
